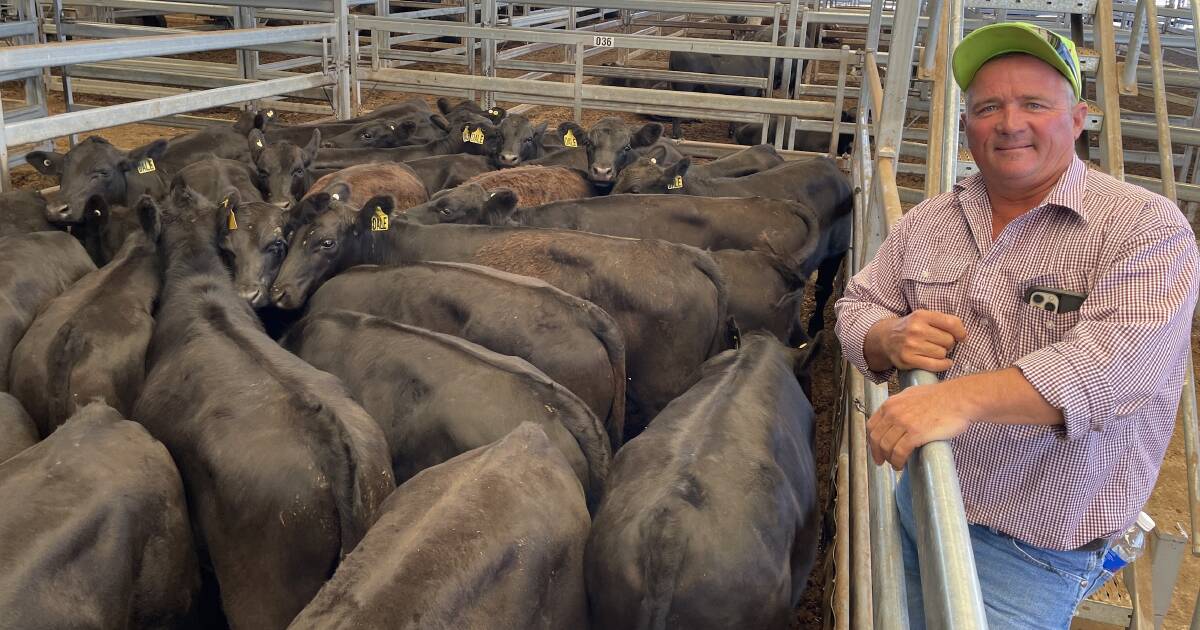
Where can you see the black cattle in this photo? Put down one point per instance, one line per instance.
(817, 183)
(299, 134)
(764, 294)
(95, 532)
(105, 228)
(466, 111)
(214, 177)
(221, 141)
(710, 518)
(34, 269)
(470, 140)
(490, 539)
(383, 133)
(815, 141)
(283, 167)
(95, 167)
(755, 159)
(252, 242)
(573, 341)
(89, 343)
(729, 65)
(667, 299)
(439, 172)
(17, 431)
(786, 229)
(612, 144)
(22, 212)
(283, 470)
(437, 396)
(514, 141)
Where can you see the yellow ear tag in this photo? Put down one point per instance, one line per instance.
(467, 133)
(676, 184)
(477, 136)
(270, 113)
(232, 221)
(145, 166)
(569, 139)
(379, 222)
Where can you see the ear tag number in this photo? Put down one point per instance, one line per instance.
(676, 184)
(467, 133)
(477, 136)
(145, 166)
(569, 139)
(379, 222)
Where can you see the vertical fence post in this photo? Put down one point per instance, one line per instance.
(342, 105)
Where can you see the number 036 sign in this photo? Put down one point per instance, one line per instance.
(602, 41)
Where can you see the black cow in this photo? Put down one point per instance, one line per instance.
(666, 298)
(470, 140)
(710, 516)
(726, 64)
(612, 144)
(95, 532)
(22, 212)
(383, 133)
(34, 269)
(437, 396)
(786, 229)
(222, 141)
(573, 341)
(17, 431)
(89, 343)
(490, 539)
(755, 159)
(514, 141)
(815, 141)
(439, 172)
(299, 134)
(283, 470)
(214, 177)
(95, 167)
(764, 294)
(283, 167)
(105, 228)
(466, 111)
(251, 237)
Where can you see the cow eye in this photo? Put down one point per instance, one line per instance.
(528, 140)
(327, 243)
(627, 148)
(101, 174)
(444, 212)
(298, 172)
(366, 135)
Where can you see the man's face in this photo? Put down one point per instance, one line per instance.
(1022, 121)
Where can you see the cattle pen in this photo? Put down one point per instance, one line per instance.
(72, 68)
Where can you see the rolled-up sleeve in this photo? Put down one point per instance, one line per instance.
(872, 295)
(1131, 341)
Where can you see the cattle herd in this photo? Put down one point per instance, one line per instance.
(426, 368)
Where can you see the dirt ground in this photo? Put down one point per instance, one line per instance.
(1168, 503)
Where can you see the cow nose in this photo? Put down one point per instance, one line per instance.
(61, 213)
(284, 205)
(508, 158)
(602, 173)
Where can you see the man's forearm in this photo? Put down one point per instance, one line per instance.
(1003, 397)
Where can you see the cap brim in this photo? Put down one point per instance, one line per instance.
(994, 40)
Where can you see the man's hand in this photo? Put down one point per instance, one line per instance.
(920, 340)
(915, 417)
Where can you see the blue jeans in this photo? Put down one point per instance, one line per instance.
(1023, 587)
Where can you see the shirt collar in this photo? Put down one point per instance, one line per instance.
(1067, 193)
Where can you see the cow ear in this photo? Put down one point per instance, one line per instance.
(576, 131)
(257, 142)
(310, 149)
(539, 131)
(443, 105)
(149, 216)
(307, 210)
(499, 206)
(153, 151)
(247, 120)
(367, 215)
(440, 122)
(679, 168)
(496, 114)
(46, 162)
(339, 192)
(647, 135)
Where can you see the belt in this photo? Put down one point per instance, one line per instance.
(1095, 545)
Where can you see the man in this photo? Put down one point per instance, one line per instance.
(1056, 303)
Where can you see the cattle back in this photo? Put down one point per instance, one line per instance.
(17, 431)
(490, 539)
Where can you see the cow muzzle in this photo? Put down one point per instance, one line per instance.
(254, 295)
(60, 213)
(285, 298)
(509, 159)
(602, 174)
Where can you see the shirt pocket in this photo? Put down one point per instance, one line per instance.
(933, 284)
(1038, 327)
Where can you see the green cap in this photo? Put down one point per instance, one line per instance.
(993, 40)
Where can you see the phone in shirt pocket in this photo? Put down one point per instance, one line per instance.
(1053, 300)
